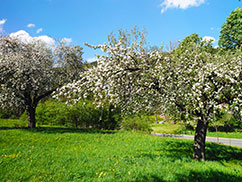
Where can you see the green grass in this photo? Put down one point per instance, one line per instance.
(62, 154)
(168, 128)
(171, 128)
(237, 135)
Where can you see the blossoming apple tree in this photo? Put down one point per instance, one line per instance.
(201, 82)
(192, 81)
(29, 72)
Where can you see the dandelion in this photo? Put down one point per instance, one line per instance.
(3, 156)
(10, 156)
(100, 175)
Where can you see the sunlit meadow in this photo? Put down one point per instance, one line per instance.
(61, 154)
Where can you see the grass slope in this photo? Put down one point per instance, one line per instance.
(61, 154)
(168, 128)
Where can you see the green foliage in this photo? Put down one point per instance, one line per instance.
(24, 117)
(53, 113)
(83, 114)
(56, 154)
(4, 114)
(192, 42)
(10, 123)
(225, 119)
(189, 42)
(9, 113)
(155, 117)
(231, 33)
(136, 123)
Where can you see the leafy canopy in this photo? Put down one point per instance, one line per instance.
(231, 33)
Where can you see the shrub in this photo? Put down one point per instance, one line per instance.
(52, 113)
(24, 117)
(10, 113)
(83, 114)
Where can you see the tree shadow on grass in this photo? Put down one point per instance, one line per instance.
(207, 176)
(151, 178)
(55, 130)
(217, 152)
(177, 149)
(192, 175)
(214, 152)
(183, 150)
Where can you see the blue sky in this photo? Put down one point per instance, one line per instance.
(91, 21)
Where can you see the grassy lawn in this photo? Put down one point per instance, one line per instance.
(167, 128)
(226, 134)
(62, 154)
(171, 128)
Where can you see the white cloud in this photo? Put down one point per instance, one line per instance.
(39, 30)
(22, 35)
(25, 37)
(49, 41)
(2, 22)
(90, 60)
(66, 40)
(209, 38)
(31, 25)
(182, 4)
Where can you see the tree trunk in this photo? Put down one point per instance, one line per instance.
(101, 119)
(156, 121)
(31, 116)
(76, 120)
(199, 140)
(216, 128)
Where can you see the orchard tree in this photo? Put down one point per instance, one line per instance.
(201, 82)
(29, 72)
(124, 77)
(231, 33)
(187, 81)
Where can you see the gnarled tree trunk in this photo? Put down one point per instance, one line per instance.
(31, 104)
(199, 139)
(31, 116)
